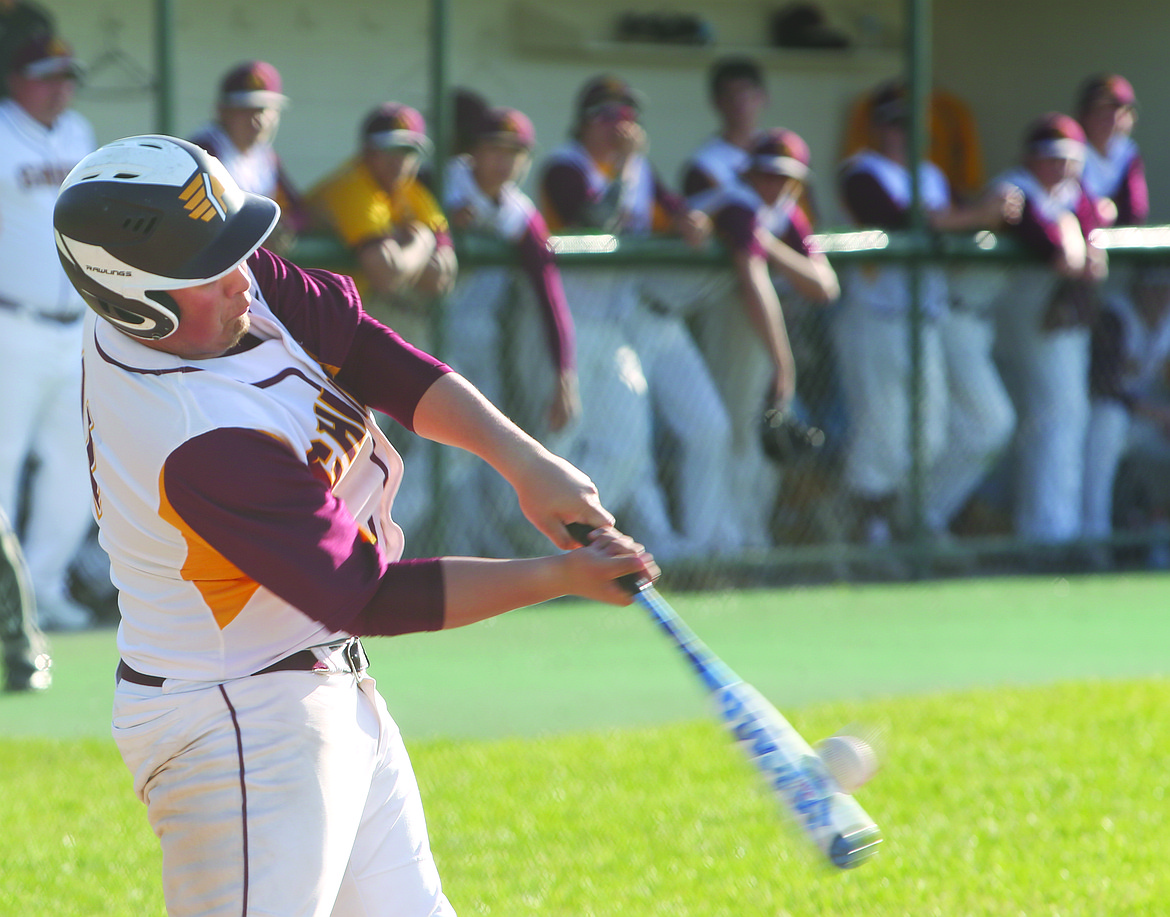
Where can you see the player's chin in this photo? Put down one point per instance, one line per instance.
(236, 329)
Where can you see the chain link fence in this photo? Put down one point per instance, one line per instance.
(679, 445)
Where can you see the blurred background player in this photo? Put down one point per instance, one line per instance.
(511, 335)
(1129, 409)
(871, 335)
(1044, 316)
(954, 144)
(390, 221)
(241, 136)
(400, 239)
(637, 367)
(20, 21)
(741, 326)
(41, 139)
(739, 97)
(25, 653)
(1113, 171)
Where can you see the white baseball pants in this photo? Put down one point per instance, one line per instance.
(40, 376)
(288, 794)
(1047, 374)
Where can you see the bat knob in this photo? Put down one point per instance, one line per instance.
(854, 848)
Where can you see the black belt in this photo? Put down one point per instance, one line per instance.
(302, 661)
(59, 318)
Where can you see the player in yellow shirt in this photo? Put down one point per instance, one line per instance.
(399, 237)
(390, 221)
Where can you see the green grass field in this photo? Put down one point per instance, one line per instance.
(569, 768)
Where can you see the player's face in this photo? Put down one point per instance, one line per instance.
(393, 167)
(44, 99)
(213, 317)
(246, 127)
(740, 103)
(771, 188)
(1105, 118)
(495, 164)
(1050, 171)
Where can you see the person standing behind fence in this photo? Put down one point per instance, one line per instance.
(1114, 170)
(739, 97)
(954, 138)
(1044, 318)
(41, 139)
(1130, 348)
(19, 21)
(740, 323)
(602, 181)
(399, 236)
(871, 336)
(247, 116)
(512, 337)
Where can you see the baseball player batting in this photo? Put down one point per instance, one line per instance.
(244, 494)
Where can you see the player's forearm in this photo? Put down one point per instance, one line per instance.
(812, 278)
(758, 297)
(392, 264)
(477, 588)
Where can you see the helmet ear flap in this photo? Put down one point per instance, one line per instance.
(134, 317)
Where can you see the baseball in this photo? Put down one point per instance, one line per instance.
(851, 761)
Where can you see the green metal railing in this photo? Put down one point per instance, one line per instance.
(1136, 246)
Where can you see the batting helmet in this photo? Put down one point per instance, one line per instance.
(148, 214)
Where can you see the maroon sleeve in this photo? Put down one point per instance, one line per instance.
(1133, 197)
(1088, 213)
(323, 312)
(566, 191)
(319, 308)
(870, 203)
(252, 500)
(385, 372)
(799, 229)
(539, 264)
(695, 180)
(735, 225)
(296, 214)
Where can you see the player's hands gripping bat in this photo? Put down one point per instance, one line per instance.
(832, 819)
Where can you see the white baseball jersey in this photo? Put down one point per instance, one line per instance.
(506, 218)
(886, 289)
(1103, 174)
(256, 169)
(34, 160)
(720, 161)
(636, 209)
(166, 509)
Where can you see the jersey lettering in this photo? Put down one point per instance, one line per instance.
(345, 426)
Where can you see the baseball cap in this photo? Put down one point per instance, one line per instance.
(252, 84)
(1105, 86)
(604, 91)
(44, 55)
(507, 125)
(779, 151)
(1056, 136)
(393, 126)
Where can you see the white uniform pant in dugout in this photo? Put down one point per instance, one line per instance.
(40, 375)
(288, 793)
